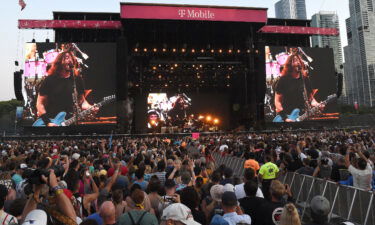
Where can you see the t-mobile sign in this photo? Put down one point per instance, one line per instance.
(193, 13)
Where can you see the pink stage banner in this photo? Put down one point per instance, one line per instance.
(299, 30)
(195, 136)
(193, 13)
(67, 24)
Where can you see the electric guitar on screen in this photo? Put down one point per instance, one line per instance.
(60, 118)
(314, 110)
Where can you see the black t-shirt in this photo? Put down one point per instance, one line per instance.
(270, 212)
(59, 93)
(199, 216)
(292, 91)
(251, 207)
(335, 175)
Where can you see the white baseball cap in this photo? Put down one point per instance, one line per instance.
(36, 217)
(228, 187)
(179, 212)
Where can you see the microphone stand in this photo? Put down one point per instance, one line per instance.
(76, 109)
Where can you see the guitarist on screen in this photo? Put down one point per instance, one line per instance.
(62, 90)
(293, 89)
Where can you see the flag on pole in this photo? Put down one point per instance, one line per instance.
(22, 4)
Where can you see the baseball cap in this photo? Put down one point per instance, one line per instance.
(229, 198)
(23, 166)
(216, 192)
(228, 187)
(179, 212)
(320, 205)
(76, 156)
(36, 217)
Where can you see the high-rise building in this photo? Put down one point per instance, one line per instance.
(326, 19)
(360, 53)
(291, 9)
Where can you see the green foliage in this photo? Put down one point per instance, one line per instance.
(9, 107)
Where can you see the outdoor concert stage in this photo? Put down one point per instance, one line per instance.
(176, 68)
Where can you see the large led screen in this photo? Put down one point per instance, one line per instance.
(182, 112)
(301, 84)
(67, 84)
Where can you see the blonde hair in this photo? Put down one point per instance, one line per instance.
(290, 215)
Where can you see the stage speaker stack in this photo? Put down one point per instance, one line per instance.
(18, 85)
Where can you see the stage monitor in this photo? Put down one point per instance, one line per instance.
(301, 84)
(67, 84)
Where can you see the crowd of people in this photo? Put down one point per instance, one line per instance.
(154, 180)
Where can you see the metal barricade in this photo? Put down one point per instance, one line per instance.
(347, 203)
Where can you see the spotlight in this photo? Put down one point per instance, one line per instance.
(208, 118)
(164, 50)
(136, 49)
(186, 85)
(165, 85)
(212, 51)
(216, 121)
(174, 50)
(248, 51)
(154, 67)
(159, 76)
(238, 51)
(220, 51)
(183, 50)
(200, 117)
(202, 50)
(230, 51)
(200, 65)
(145, 49)
(175, 65)
(193, 50)
(155, 49)
(228, 76)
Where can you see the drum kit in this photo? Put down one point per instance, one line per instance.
(273, 71)
(274, 67)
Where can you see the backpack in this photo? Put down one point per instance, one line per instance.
(140, 218)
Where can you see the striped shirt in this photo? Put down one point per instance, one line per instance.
(7, 219)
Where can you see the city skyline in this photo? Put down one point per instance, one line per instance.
(13, 40)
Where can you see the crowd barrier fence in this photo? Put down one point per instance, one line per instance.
(347, 203)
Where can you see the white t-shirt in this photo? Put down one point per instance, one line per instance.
(362, 178)
(222, 147)
(240, 191)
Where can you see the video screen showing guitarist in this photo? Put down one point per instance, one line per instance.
(62, 90)
(69, 84)
(300, 84)
(293, 89)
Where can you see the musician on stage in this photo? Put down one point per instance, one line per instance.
(56, 93)
(293, 89)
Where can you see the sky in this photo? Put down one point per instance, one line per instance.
(12, 39)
